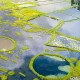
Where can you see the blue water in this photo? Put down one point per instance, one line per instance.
(48, 66)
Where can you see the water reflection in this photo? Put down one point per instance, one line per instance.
(49, 66)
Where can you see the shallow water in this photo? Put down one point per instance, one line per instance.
(72, 12)
(51, 7)
(45, 22)
(71, 28)
(6, 44)
(62, 16)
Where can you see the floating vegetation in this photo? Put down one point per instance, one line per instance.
(21, 51)
(26, 4)
(74, 78)
(11, 73)
(73, 59)
(17, 56)
(22, 74)
(35, 79)
(10, 52)
(3, 70)
(46, 50)
(18, 33)
(76, 70)
(14, 61)
(3, 57)
(6, 30)
(25, 48)
(29, 36)
(4, 77)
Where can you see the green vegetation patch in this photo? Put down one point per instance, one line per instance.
(25, 48)
(26, 4)
(7, 5)
(18, 33)
(6, 30)
(76, 70)
(26, 13)
(22, 15)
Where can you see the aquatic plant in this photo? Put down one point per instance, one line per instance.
(74, 78)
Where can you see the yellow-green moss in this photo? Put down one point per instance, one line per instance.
(3, 77)
(22, 74)
(3, 70)
(6, 30)
(18, 33)
(29, 36)
(35, 79)
(11, 73)
(25, 48)
(3, 57)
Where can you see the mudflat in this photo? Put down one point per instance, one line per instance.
(6, 44)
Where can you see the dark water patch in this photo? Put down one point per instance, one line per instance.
(48, 66)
